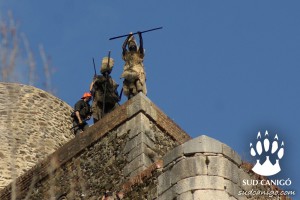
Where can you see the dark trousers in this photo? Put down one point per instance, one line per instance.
(79, 127)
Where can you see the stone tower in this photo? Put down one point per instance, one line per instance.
(33, 124)
(138, 152)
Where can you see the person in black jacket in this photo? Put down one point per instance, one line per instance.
(82, 113)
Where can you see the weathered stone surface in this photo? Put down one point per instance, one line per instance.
(140, 123)
(188, 167)
(139, 139)
(211, 195)
(220, 166)
(164, 182)
(185, 196)
(97, 159)
(137, 171)
(142, 103)
(244, 176)
(139, 149)
(118, 152)
(202, 144)
(204, 168)
(33, 124)
(141, 160)
(173, 155)
(232, 189)
(167, 195)
(199, 183)
(231, 154)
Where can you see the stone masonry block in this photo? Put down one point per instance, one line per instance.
(141, 118)
(141, 160)
(173, 155)
(167, 195)
(138, 124)
(185, 196)
(133, 128)
(141, 138)
(232, 189)
(202, 144)
(121, 131)
(135, 152)
(188, 167)
(227, 151)
(199, 183)
(151, 134)
(244, 176)
(220, 166)
(138, 150)
(134, 131)
(130, 123)
(137, 171)
(210, 195)
(164, 182)
(141, 103)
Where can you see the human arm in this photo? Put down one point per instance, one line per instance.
(78, 117)
(141, 48)
(125, 43)
(77, 109)
(92, 84)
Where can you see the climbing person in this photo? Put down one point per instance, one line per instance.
(82, 113)
(133, 72)
(104, 90)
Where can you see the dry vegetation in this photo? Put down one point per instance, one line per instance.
(18, 62)
(21, 62)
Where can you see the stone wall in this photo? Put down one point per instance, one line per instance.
(33, 124)
(120, 146)
(204, 168)
(138, 150)
(106, 165)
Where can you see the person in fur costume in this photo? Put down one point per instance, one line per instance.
(104, 91)
(133, 73)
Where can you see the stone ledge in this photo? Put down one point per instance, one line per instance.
(202, 144)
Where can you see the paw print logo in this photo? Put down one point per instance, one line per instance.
(264, 150)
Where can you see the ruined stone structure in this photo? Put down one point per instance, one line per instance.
(137, 150)
(33, 124)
